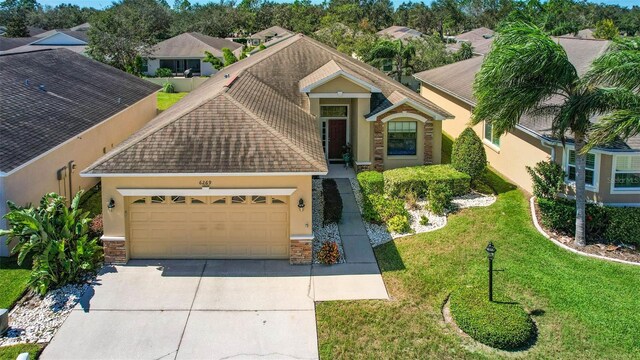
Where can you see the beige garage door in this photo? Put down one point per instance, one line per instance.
(209, 227)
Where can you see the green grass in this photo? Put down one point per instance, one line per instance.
(91, 201)
(447, 148)
(12, 352)
(13, 280)
(584, 308)
(166, 100)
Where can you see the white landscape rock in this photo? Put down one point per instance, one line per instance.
(378, 234)
(35, 320)
(323, 233)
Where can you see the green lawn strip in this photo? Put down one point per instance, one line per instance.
(585, 308)
(13, 281)
(166, 100)
(91, 201)
(11, 352)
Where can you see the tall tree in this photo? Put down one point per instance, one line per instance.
(397, 53)
(126, 30)
(523, 72)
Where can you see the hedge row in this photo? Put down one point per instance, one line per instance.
(380, 209)
(418, 179)
(614, 224)
(332, 201)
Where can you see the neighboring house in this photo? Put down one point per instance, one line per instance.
(81, 27)
(480, 39)
(60, 112)
(585, 34)
(7, 43)
(400, 33)
(186, 51)
(75, 41)
(226, 172)
(266, 35)
(613, 173)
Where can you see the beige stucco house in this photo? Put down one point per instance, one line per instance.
(60, 112)
(227, 171)
(613, 172)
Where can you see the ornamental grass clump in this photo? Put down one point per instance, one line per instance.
(329, 253)
(500, 324)
(58, 239)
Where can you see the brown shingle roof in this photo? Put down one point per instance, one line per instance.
(193, 45)
(51, 96)
(248, 118)
(276, 31)
(400, 32)
(480, 39)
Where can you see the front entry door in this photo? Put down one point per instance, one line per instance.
(337, 137)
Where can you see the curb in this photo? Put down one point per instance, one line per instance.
(541, 231)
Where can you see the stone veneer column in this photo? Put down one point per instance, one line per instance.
(428, 142)
(300, 252)
(378, 145)
(115, 251)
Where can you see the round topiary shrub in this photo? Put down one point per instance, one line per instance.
(499, 324)
(468, 155)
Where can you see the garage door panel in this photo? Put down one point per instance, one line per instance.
(208, 230)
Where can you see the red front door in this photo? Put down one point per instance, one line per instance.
(337, 137)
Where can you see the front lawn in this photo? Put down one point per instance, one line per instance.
(13, 280)
(12, 352)
(91, 201)
(583, 307)
(166, 100)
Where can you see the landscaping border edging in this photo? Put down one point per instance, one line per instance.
(534, 218)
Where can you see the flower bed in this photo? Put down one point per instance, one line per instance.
(323, 233)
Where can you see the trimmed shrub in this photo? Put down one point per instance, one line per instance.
(399, 224)
(329, 253)
(164, 72)
(371, 182)
(468, 155)
(560, 215)
(502, 325)
(623, 225)
(439, 198)
(228, 56)
(417, 179)
(547, 177)
(168, 88)
(424, 221)
(332, 201)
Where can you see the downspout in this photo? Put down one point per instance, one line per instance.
(4, 248)
(550, 146)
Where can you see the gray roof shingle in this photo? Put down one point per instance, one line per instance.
(193, 45)
(51, 96)
(248, 118)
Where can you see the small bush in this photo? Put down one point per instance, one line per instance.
(424, 221)
(228, 56)
(332, 201)
(439, 198)
(560, 215)
(96, 227)
(623, 226)
(547, 178)
(468, 155)
(412, 201)
(168, 88)
(399, 224)
(502, 325)
(371, 182)
(329, 253)
(417, 179)
(164, 72)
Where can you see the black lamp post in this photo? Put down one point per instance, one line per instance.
(491, 252)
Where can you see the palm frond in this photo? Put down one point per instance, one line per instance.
(620, 66)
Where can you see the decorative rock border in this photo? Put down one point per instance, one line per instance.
(323, 233)
(534, 218)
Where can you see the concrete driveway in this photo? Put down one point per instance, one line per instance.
(213, 309)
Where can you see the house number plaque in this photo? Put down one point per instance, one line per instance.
(205, 183)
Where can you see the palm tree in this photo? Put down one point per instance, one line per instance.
(619, 67)
(398, 53)
(527, 72)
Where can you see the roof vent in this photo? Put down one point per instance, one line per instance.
(226, 76)
(119, 101)
(42, 87)
(26, 82)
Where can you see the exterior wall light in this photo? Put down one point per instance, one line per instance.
(111, 204)
(301, 205)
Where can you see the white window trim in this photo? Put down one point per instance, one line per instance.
(325, 120)
(488, 142)
(386, 141)
(596, 171)
(612, 178)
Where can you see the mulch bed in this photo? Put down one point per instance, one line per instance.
(609, 250)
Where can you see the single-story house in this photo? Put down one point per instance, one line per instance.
(613, 172)
(480, 40)
(274, 32)
(60, 112)
(226, 172)
(400, 33)
(75, 41)
(586, 34)
(186, 51)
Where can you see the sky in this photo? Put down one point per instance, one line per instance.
(99, 4)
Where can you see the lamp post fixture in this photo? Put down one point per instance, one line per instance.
(491, 253)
